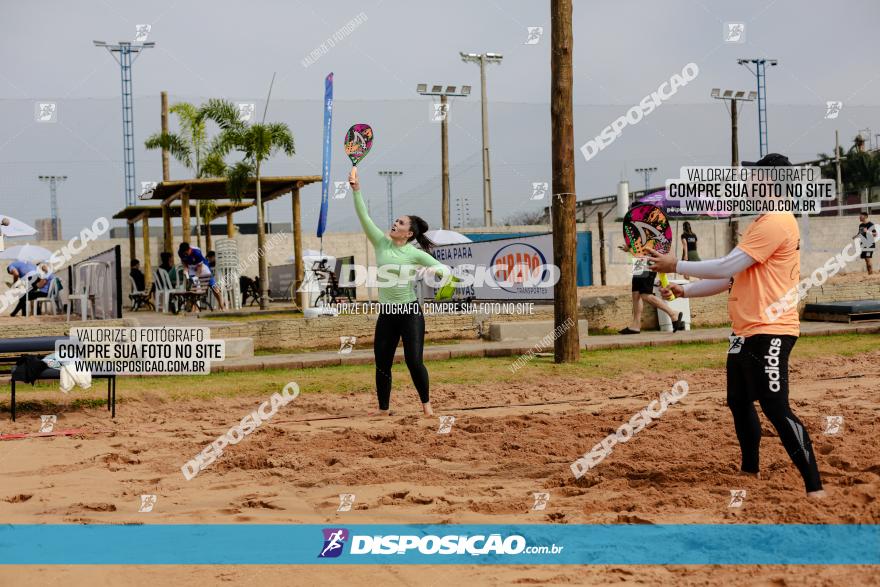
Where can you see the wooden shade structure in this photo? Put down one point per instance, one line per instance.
(167, 193)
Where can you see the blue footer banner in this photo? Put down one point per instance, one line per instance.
(269, 544)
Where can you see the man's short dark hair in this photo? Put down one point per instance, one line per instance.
(183, 248)
(135, 262)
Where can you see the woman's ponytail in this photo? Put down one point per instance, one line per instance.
(419, 227)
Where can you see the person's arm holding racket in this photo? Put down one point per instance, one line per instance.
(373, 232)
(716, 273)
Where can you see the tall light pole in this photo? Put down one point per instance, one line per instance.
(647, 171)
(126, 49)
(758, 72)
(483, 59)
(463, 210)
(53, 181)
(444, 92)
(733, 97)
(389, 178)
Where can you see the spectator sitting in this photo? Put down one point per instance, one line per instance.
(167, 263)
(137, 275)
(27, 272)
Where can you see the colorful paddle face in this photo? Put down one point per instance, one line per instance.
(645, 225)
(358, 141)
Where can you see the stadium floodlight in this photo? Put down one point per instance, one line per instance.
(733, 96)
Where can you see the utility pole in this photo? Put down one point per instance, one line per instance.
(126, 49)
(647, 171)
(443, 116)
(563, 204)
(389, 179)
(483, 59)
(837, 166)
(53, 181)
(733, 96)
(760, 64)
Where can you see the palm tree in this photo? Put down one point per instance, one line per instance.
(862, 168)
(191, 148)
(256, 142)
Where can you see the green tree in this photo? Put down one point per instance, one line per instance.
(192, 149)
(257, 143)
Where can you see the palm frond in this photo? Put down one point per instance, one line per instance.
(213, 165)
(282, 138)
(237, 178)
(222, 112)
(175, 144)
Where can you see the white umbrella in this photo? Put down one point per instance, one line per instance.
(29, 253)
(9, 226)
(447, 237)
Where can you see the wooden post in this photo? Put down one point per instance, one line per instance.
(186, 234)
(230, 228)
(600, 218)
(566, 345)
(146, 266)
(208, 243)
(167, 234)
(298, 272)
(131, 254)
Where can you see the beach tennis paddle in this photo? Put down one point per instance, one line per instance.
(646, 225)
(358, 141)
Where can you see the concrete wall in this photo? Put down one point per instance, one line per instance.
(821, 238)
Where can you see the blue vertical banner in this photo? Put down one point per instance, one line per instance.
(325, 177)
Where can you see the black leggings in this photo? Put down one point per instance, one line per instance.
(408, 324)
(759, 371)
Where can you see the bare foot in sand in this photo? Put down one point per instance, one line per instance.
(426, 407)
(379, 413)
(817, 494)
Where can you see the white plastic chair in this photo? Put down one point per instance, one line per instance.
(84, 289)
(164, 289)
(51, 297)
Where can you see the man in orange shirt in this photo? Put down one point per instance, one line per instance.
(763, 267)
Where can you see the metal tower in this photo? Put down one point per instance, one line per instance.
(53, 180)
(125, 49)
(762, 97)
(389, 177)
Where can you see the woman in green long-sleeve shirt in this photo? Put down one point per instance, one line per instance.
(400, 316)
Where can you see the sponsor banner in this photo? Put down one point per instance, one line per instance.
(518, 268)
(691, 544)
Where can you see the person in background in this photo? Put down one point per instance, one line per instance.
(868, 234)
(196, 265)
(137, 275)
(212, 260)
(167, 263)
(643, 293)
(23, 270)
(688, 244)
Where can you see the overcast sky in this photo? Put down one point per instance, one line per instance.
(623, 50)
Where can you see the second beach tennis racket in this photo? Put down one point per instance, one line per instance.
(646, 225)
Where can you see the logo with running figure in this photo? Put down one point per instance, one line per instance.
(334, 541)
(737, 498)
(833, 424)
